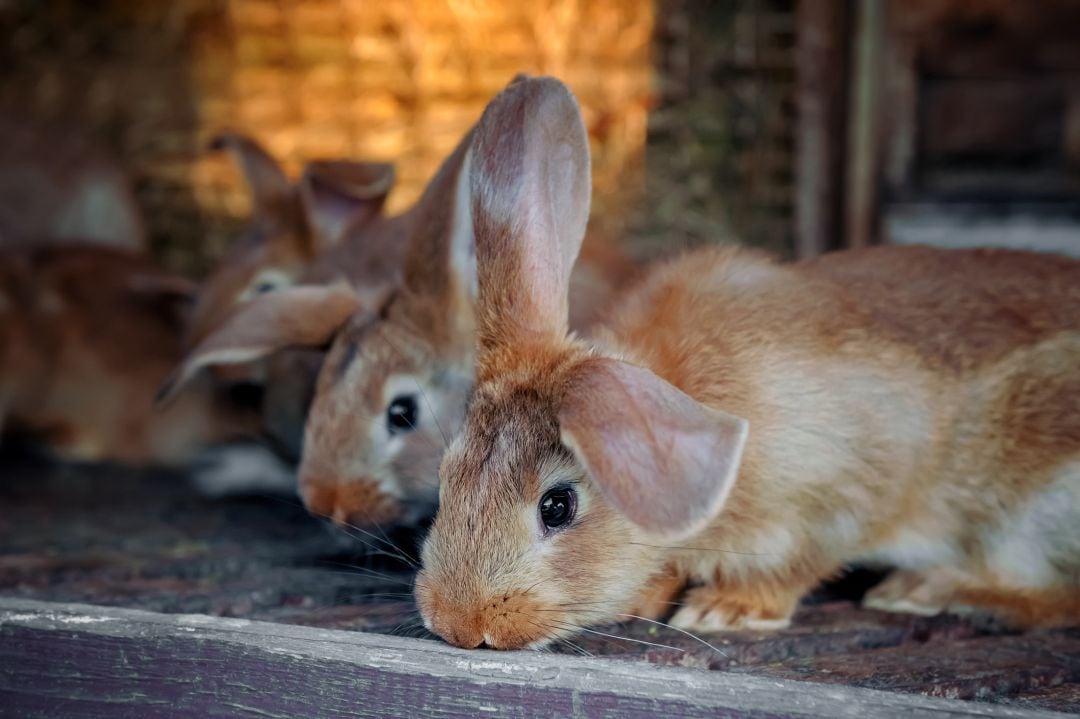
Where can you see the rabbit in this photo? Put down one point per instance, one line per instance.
(393, 388)
(330, 220)
(332, 205)
(57, 187)
(739, 429)
(87, 333)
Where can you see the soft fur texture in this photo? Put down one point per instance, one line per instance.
(416, 341)
(326, 227)
(906, 405)
(334, 204)
(87, 334)
(419, 345)
(58, 187)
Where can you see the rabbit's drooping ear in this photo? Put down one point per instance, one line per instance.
(304, 316)
(664, 460)
(341, 194)
(530, 192)
(271, 191)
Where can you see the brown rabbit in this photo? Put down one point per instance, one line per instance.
(327, 225)
(57, 187)
(745, 426)
(86, 335)
(332, 205)
(393, 388)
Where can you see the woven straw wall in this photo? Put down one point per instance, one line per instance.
(696, 91)
(395, 79)
(720, 143)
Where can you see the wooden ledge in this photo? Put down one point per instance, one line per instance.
(90, 661)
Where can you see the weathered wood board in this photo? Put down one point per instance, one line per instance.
(79, 660)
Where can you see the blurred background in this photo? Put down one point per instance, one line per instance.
(792, 124)
(799, 126)
(694, 101)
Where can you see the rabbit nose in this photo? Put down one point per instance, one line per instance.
(461, 631)
(319, 498)
(449, 620)
(356, 502)
(467, 640)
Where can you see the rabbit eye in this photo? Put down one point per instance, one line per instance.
(268, 280)
(557, 507)
(401, 415)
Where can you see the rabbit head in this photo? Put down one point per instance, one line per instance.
(396, 381)
(291, 225)
(572, 467)
(397, 369)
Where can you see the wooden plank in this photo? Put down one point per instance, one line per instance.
(900, 126)
(865, 127)
(85, 661)
(825, 630)
(821, 66)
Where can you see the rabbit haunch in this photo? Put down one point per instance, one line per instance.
(906, 404)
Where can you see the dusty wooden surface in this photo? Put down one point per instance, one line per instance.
(80, 660)
(144, 540)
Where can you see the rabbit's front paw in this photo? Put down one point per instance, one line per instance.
(720, 608)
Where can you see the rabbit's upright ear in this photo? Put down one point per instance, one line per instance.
(303, 316)
(531, 188)
(271, 191)
(664, 460)
(440, 260)
(338, 195)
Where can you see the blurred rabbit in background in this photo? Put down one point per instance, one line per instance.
(57, 187)
(89, 324)
(86, 334)
(325, 227)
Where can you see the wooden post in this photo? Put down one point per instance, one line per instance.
(864, 135)
(821, 63)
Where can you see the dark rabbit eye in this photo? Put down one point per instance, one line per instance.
(263, 287)
(401, 415)
(557, 507)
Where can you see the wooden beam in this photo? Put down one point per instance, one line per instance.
(88, 661)
(864, 128)
(822, 76)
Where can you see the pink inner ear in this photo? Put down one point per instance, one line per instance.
(342, 194)
(663, 459)
(530, 184)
